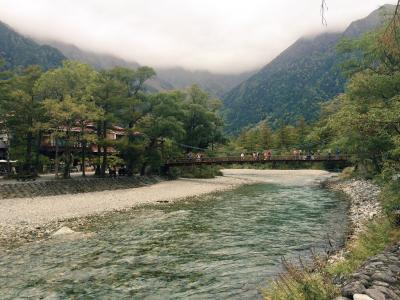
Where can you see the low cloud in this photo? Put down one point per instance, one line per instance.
(220, 36)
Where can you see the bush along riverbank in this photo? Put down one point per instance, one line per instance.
(204, 172)
(369, 265)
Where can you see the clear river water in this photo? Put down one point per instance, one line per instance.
(224, 246)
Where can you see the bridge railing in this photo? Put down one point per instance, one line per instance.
(238, 159)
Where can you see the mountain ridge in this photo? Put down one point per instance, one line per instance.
(296, 81)
(166, 78)
(19, 51)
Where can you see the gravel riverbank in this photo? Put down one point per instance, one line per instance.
(379, 277)
(32, 218)
(364, 202)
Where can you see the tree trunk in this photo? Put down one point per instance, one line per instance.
(56, 160)
(143, 169)
(104, 162)
(8, 155)
(152, 144)
(83, 157)
(97, 171)
(37, 158)
(28, 156)
(67, 154)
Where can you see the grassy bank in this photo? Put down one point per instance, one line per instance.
(316, 280)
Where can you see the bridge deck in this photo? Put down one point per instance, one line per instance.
(247, 160)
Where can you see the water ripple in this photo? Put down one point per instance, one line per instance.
(222, 247)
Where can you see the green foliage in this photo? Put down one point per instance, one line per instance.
(67, 104)
(390, 198)
(23, 114)
(74, 95)
(365, 120)
(196, 172)
(281, 141)
(202, 124)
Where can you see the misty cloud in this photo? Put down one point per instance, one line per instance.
(216, 35)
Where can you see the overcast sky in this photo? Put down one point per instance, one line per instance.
(216, 35)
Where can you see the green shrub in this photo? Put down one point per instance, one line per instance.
(195, 172)
(303, 283)
(390, 198)
(347, 173)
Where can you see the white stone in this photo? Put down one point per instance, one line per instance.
(361, 297)
(63, 230)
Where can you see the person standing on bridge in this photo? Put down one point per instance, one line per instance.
(265, 155)
(269, 155)
(242, 156)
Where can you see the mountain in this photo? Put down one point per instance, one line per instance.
(96, 60)
(102, 61)
(166, 79)
(216, 84)
(19, 51)
(295, 82)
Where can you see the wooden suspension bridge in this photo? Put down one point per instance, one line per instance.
(341, 159)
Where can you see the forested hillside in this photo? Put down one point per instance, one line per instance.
(297, 81)
(17, 50)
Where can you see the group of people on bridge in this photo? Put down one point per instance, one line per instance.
(195, 156)
(296, 154)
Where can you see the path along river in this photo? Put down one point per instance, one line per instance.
(223, 246)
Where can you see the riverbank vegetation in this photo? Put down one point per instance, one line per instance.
(195, 172)
(363, 121)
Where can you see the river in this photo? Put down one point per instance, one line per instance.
(223, 246)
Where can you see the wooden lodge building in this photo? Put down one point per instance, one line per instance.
(49, 142)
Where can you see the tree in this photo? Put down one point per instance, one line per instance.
(68, 103)
(365, 121)
(116, 89)
(4, 95)
(24, 115)
(266, 135)
(203, 126)
(165, 122)
(107, 92)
